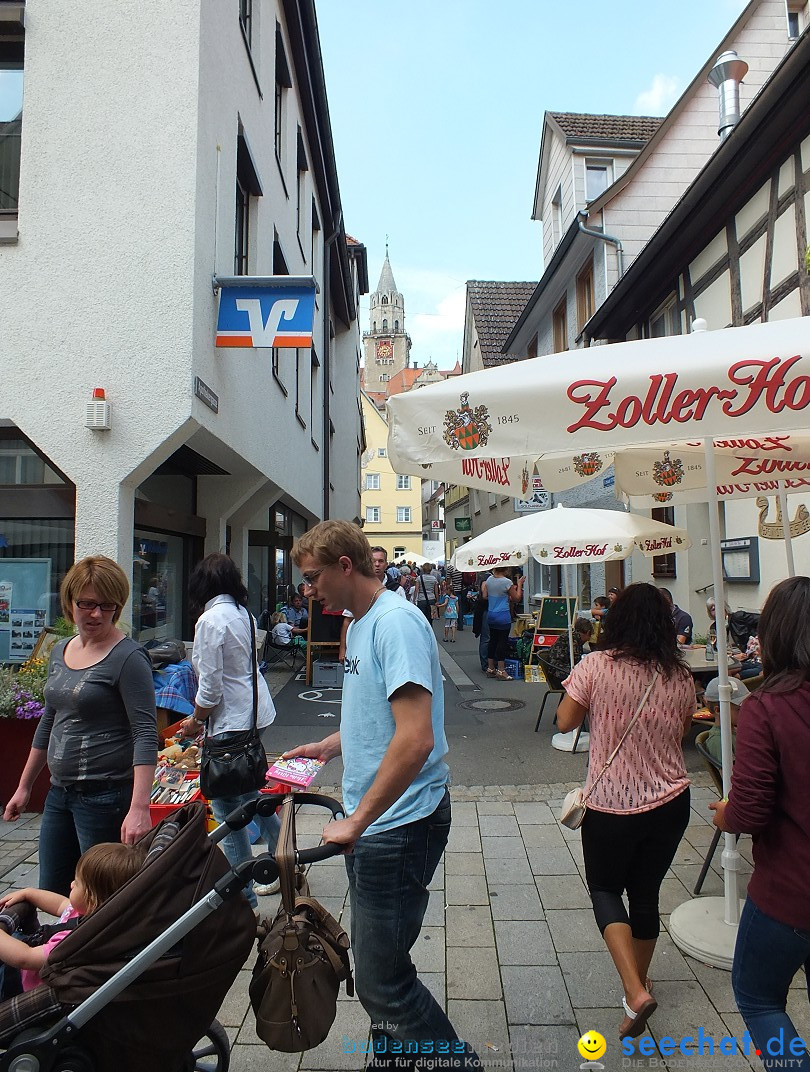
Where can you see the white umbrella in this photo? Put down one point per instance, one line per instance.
(419, 560)
(730, 386)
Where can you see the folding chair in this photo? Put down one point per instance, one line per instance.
(558, 691)
(284, 655)
(716, 770)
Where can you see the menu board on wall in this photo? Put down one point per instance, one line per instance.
(25, 591)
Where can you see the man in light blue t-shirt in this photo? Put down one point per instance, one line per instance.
(394, 790)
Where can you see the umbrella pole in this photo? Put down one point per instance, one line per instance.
(783, 506)
(696, 926)
(568, 615)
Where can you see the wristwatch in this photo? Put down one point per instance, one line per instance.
(199, 721)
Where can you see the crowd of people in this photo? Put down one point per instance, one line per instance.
(628, 677)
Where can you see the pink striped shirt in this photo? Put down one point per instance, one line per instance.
(649, 768)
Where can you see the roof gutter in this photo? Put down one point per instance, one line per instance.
(605, 238)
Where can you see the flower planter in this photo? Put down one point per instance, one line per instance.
(16, 735)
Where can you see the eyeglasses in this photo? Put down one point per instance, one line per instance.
(310, 578)
(91, 604)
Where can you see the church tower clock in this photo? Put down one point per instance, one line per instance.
(387, 347)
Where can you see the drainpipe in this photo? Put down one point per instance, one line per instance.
(605, 238)
(726, 76)
(327, 354)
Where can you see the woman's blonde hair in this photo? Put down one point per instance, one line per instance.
(101, 573)
(329, 541)
(104, 869)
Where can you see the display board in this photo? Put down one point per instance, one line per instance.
(554, 614)
(25, 594)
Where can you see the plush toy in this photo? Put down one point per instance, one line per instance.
(190, 760)
(171, 752)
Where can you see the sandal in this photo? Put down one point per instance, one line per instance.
(490, 673)
(502, 675)
(638, 1019)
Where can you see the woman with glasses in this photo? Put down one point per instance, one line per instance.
(98, 734)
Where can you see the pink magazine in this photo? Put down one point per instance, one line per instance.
(295, 771)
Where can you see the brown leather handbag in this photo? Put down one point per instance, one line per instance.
(303, 958)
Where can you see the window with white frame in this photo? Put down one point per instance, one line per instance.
(399, 552)
(665, 320)
(403, 515)
(598, 176)
(283, 83)
(372, 515)
(382, 452)
(403, 483)
(556, 216)
(372, 481)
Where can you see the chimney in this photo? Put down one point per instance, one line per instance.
(725, 76)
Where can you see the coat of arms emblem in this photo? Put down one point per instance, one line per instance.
(524, 481)
(662, 496)
(668, 472)
(466, 428)
(587, 464)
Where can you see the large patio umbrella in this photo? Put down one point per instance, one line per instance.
(748, 386)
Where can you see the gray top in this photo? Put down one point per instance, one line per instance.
(100, 721)
(430, 581)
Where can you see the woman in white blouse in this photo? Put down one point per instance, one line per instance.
(223, 657)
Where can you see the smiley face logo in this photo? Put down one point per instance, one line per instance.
(592, 1046)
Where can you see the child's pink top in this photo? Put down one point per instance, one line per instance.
(30, 978)
(649, 768)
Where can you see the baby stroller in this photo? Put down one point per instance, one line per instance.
(138, 983)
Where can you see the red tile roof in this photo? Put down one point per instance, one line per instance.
(608, 127)
(496, 307)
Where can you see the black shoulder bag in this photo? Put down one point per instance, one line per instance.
(235, 763)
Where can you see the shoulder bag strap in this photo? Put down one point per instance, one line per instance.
(285, 853)
(424, 590)
(253, 667)
(630, 725)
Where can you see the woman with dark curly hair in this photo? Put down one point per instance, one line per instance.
(770, 798)
(638, 802)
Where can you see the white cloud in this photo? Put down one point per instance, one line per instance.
(659, 98)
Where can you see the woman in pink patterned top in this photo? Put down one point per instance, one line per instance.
(639, 809)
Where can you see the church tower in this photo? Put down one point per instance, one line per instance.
(387, 347)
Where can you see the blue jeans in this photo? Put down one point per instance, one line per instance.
(766, 957)
(236, 844)
(75, 819)
(483, 642)
(388, 879)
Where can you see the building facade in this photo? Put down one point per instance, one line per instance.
(124, 213)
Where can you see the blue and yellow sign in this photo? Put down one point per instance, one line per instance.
(266, 315)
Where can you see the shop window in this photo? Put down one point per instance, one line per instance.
(585, 303)
(158, 585)
(12, 40)
(21, 465)
(663, 566)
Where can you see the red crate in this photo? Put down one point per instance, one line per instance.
(160, 811)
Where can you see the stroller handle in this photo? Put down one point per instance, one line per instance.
(320, 852)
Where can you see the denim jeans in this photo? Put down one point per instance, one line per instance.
(483, 642)
(76, 818)
(388, 879)
(236, 844)
(766, 957)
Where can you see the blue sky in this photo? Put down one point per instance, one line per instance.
(437, 111)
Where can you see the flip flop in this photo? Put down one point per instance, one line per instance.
(638, 1019)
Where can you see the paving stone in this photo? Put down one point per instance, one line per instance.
(482, 1024)
(436, 884)
(234, 1008)
(683, 1009)
(428, 950)
(715, 982)
(546, 837)
(673, 893)
(515, 902)
(534, 814)
(498, 826)
(591, 979)
(546, 1046)
(486, 807)
(552, 862)
(508, 872)
(466, 889)
(434, 916)
(473, 973)
(536, 995)
(524, 943)
(668, 961)
(463, 863)
(436, 983)
(503, 848)
(562, 891)
(254, 1058)
(686, 855)
(574, 930)
(464, 814)
(464, 839)
(469, 925)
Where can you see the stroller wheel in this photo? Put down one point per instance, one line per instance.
(212, 1053)
(74, 1059)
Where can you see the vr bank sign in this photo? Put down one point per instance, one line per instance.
(266, 316)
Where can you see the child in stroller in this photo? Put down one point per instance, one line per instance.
(99, 873)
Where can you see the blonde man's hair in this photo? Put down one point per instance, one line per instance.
(101, 573)
(330, 541)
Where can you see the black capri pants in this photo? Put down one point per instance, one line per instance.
(631, 853)
(498, 643)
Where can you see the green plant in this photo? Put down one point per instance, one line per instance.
(22, 692)
(699, 638)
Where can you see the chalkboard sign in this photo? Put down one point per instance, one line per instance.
(324, 627)
(554, 614)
